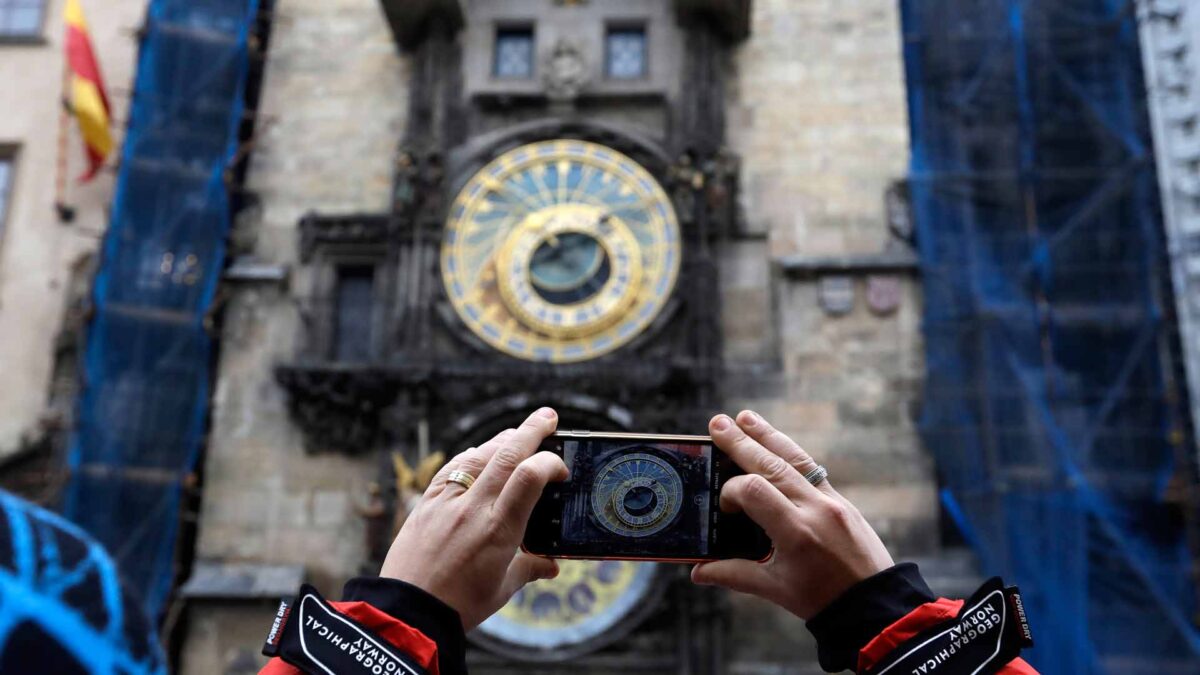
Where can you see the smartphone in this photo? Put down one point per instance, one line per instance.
(641, 497)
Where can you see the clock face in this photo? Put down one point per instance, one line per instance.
(586, 600)
(560, 251)
(637, 495)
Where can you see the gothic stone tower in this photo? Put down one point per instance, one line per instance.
(640, 212)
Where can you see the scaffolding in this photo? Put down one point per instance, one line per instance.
(1052, 402)
(142, 413)
(1169, 28)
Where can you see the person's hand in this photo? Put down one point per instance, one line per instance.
(461, 545)
(823, 545)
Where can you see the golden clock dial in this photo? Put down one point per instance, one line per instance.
(585, 600)
(560, 251)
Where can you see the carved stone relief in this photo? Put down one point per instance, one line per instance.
(565, 72)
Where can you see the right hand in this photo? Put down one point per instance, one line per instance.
(823, 545)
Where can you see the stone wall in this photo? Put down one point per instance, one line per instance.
(37, 252)
(817, 112)
(332, 112)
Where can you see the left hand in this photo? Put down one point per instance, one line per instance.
(461, 545)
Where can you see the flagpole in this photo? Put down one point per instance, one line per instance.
(66, 212)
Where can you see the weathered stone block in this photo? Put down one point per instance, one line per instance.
(812, 416)
(330, 508)
(218, 638)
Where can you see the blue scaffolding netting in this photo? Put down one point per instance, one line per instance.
(1050, 402)
(143, 411)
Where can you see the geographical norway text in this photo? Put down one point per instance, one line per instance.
(317, 638)
(989, 631)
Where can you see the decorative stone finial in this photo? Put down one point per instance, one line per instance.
(565, 72)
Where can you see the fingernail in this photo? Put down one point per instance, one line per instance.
(721, 423)
(548, 413)
(752, 418)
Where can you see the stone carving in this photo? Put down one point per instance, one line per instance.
(709, 181)
(376, 524)
(405, 184)
(316, 231)
(381, 524)
(433, 174)
(565, 74)
(417, 183)
(338, 409)
(898, 203)
(411, 482)
(722, 171)
(686, 179)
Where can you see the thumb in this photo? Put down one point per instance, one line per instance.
(743, 576)
(527, 568)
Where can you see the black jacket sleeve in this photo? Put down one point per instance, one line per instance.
(419, 610)
(846, 626)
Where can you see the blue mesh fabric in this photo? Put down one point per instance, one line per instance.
(141, 420)
(1050, 402)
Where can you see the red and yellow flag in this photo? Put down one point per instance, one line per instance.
(86, 98)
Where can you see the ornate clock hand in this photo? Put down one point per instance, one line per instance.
(602, 223)
(554, 253)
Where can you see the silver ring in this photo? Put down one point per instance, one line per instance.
(462, 478)
(816, 476)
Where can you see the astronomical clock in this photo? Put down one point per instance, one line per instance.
(560, 251)
(563, 251)
(559, 194)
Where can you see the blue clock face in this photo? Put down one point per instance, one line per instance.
(560, 251)
(637, 495)
(570, 269)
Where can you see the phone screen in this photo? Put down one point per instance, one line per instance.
(641, 497)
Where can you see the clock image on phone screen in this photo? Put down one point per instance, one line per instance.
(641, 497)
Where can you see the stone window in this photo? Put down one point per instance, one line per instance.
(514, 53)
(625, 53)
(6, 172)
(355, 302)
(21, 19)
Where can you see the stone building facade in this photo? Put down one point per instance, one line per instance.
(45, 262)
(819, 304)
(818, 116)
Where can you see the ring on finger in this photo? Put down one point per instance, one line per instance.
(462, 478)
(816, 476)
